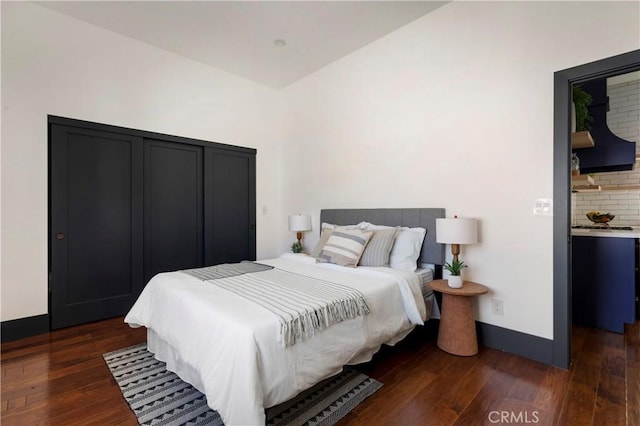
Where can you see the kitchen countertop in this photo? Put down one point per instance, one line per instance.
(611, 233)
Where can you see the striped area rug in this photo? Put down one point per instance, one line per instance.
(159, 397)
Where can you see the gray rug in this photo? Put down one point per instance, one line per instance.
(159, 397)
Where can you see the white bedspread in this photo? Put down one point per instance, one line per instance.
(232, 346)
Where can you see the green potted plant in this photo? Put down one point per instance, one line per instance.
(581, 102)
(296, 247)
(455, 271)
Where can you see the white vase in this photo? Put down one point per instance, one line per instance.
(455, 281)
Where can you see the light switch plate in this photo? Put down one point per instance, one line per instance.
(543, 207)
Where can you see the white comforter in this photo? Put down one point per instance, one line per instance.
(232, 346)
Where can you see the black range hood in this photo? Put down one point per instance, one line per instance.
(610, 153)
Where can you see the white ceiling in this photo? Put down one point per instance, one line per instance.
(238, 36)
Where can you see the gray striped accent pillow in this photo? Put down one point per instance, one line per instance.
(324, 237)
(376, 253)
(344, 247)
(327, 229)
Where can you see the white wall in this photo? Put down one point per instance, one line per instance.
(455, 110)
(53, 64)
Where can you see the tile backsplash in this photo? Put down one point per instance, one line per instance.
(625, 205)
(623, 119)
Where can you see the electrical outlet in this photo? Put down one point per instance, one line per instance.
(497, 307)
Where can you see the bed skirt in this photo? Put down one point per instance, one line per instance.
(164, 352)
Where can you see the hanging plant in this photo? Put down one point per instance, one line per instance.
(582, 100)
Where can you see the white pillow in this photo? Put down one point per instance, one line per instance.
(373, 227)
(406, 249)
(360, 225)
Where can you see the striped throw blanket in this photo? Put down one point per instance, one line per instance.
(225, 270)
(304, 305)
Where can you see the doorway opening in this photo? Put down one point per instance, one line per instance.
(562, 279)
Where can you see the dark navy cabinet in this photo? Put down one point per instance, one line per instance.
(604, 273)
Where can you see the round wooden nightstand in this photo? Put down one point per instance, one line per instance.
(457, 332)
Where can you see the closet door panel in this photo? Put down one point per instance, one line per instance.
(96, 224)
(126, 204)
(173, 207)
(230, 206)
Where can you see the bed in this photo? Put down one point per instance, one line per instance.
(245, 357)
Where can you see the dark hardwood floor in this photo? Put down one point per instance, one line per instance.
(60, 378)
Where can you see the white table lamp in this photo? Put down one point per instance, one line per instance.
(456, 231)
(299, 223)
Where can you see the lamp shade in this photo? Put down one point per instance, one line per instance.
(456, 231)
(299, 222)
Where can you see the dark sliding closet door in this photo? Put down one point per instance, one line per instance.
(173, 207)
(127, 204)
(95, 224)
(230, 211)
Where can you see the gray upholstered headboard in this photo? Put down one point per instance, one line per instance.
(432, 252)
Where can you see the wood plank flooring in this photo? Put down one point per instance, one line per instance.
(60, 378)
